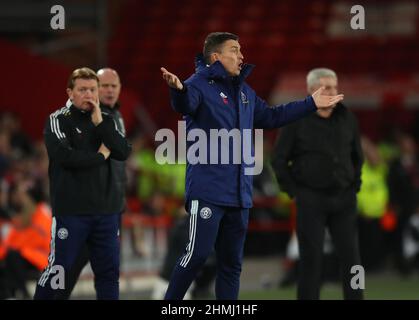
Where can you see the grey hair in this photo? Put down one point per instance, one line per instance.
(315, 74)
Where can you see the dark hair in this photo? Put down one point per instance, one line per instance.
(214, 41)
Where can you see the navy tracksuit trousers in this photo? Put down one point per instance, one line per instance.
(69, 234)
(212, 226)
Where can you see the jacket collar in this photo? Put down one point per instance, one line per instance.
(217, 70)
(69, 104)
(339, 109)
(103, 106)
(78, 111)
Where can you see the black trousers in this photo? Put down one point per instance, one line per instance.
(337, 212)
(15, 271)
(372, 243)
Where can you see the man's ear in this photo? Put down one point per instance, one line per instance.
(213, 57)
(70, 93)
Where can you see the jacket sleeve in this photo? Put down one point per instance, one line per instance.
(282, 155)
(185, 101)
(357, 155)
(60, 150)
(266, 117)
(113, 139)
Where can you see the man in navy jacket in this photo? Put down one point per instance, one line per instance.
(219, 195)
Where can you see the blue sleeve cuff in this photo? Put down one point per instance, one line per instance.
(311, 103)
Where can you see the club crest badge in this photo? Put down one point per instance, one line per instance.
(62, 233)
(205, 213)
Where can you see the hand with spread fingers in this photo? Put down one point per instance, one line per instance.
(171, 79)
(325, 101)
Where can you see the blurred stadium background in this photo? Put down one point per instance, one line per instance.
(378, 70)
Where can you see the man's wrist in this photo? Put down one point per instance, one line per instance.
(97, 122)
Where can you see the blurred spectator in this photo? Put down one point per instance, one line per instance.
(4, 193)
(145, 164)
(20, 143)
(25, 240)
(138, 143)
(416, 127)
(403, 183)
(40, 168)
(372, 204)
(411, 243)
(5, 152)
(154, 207)
(168, 179)
(153, 189)
(267, 209)
(264, 184)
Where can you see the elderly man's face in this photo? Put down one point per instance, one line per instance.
(331, 89)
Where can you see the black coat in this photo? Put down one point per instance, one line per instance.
(318, 153)
(118, 167)
(81, 180)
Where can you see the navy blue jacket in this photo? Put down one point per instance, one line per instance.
(211, 99)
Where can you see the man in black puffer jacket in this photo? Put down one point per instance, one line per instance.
(318, 160)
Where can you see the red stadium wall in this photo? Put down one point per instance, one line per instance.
(33, 87)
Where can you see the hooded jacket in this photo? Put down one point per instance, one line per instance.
(211, 99)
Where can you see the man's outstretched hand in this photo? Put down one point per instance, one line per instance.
(324, 101)
(171, 79)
